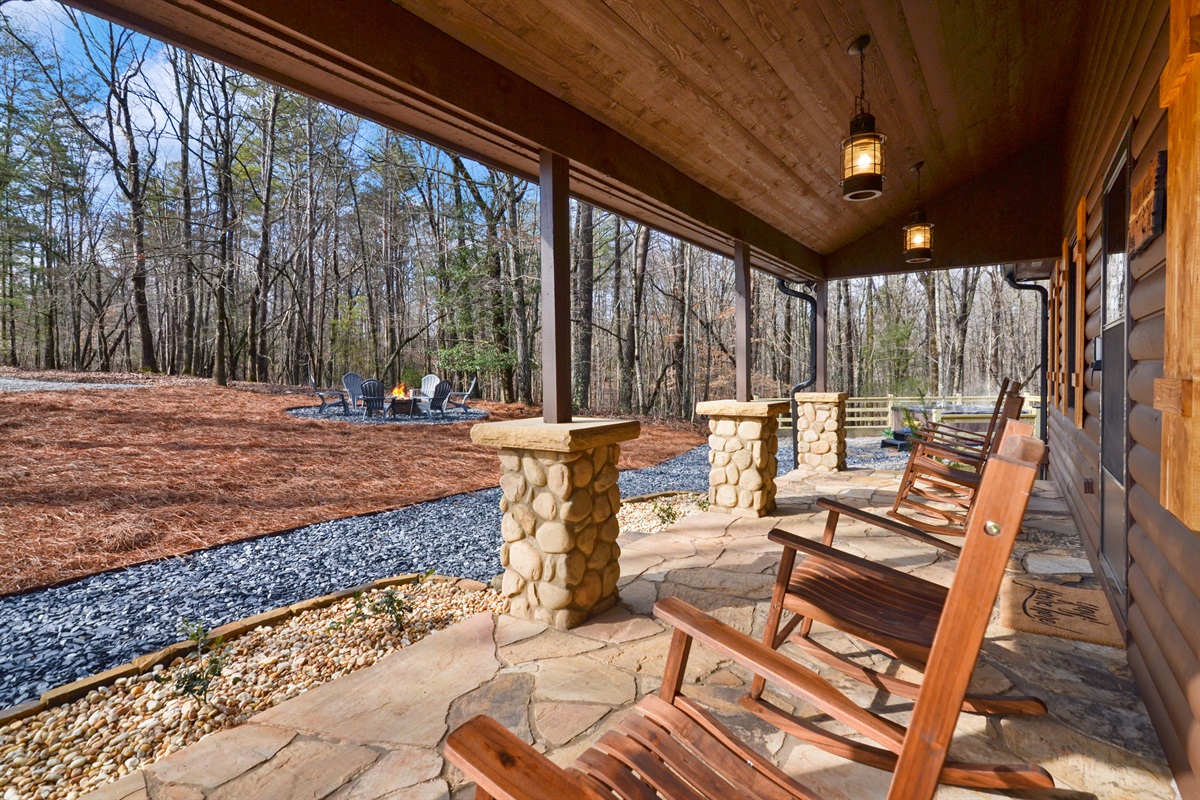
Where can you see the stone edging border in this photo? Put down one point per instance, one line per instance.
(66, 693)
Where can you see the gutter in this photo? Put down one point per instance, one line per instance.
(782, 286)
(1010, 272)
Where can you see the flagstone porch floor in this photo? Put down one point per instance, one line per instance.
(377, 733)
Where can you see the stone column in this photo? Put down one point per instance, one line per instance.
(743, 444)
(821, 431)
(560, 502)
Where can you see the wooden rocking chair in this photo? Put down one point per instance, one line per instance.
(939, 491)
(671, 747)
(968, 440)
(905, 616)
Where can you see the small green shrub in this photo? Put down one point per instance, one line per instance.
(665, 512)
(194, 680)
(392, 605)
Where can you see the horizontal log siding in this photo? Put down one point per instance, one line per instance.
(1119, 84)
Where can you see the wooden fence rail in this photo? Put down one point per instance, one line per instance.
(865, 413)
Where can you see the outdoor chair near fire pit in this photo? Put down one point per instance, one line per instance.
(329, 397)
(428, 384)
(436, 401)
(373, 397)
(352, 382)
(459, 399)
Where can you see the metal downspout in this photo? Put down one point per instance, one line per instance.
(782, 286)
(1010, 277)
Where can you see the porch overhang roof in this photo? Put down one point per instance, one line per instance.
(708, 123)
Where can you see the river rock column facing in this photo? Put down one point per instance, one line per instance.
(560, 501)
(821, 431)
(743, 442)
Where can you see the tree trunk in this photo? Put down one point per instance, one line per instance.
(582, 288)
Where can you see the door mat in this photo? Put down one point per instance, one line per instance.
(1065, 611)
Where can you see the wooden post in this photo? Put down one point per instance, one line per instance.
(556, 288)
(822, 294)
(741, 341)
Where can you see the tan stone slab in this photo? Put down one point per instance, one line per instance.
(649, 657)
(617, 625)
(510, 629)
(551, 644)
(433, 790)
(504, 699)
(397, 770)
(559, 723)
(565, 437)
(130, 787)
(307, 769)
(579, 679)
(639, 596)
(732, 408)
(751, 585)
(634, 563)
(404, 697)
(822, 397)
(221, 757)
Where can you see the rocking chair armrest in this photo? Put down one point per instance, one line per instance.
(892, 525)
(945, 450)
(508, 768)
(777, 668)
(875, 570)
(954, 430)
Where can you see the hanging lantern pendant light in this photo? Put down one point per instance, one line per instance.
(918, 233)
(862, 150)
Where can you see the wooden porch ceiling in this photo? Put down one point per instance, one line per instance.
(711, 120)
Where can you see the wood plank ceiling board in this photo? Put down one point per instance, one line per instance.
(752, 97)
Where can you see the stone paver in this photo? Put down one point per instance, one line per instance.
(404, 697)
(378, 733)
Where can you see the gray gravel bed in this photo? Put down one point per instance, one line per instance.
(451, 417)
(58, 635)
(24, 385)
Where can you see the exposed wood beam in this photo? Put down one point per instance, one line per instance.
(742, 356)
(556, 288)
(1008, 214)
(382, 62)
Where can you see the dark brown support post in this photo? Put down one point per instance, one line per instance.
(741, 342)
(822, 293)
(556, 288)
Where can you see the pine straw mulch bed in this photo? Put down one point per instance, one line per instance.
(92, 480)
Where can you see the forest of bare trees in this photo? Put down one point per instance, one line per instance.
(161, 212)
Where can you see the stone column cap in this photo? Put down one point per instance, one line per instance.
(822, 397)
(734, 408)
(583, 433)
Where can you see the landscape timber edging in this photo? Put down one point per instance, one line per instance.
(60, 695)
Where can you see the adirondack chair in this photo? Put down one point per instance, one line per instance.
(909, 618)
(937, 490)
(429, 384)
(352, 382)
(436, 401)
(671, 747)
(373, 398)
(329, 397)
(459, 399)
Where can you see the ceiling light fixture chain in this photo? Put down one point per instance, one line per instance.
(862, 150)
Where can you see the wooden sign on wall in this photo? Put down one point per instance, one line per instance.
(1148, 205)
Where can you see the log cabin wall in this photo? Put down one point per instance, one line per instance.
(1116, 105)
